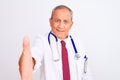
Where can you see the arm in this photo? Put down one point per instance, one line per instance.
(26, 62)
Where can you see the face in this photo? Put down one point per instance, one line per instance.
(61, 23)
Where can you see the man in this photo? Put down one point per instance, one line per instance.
(56, 60)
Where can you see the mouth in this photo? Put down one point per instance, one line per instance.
(60, 30)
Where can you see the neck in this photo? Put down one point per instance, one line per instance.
(62, 38)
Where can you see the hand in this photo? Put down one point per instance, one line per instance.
(26, 63)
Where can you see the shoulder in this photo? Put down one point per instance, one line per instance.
(42, 36)
(40, 39)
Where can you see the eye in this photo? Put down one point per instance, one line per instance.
(65, 21)
(57, 20)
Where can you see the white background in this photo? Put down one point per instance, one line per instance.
(97, 22)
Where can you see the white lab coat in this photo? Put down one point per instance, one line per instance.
(51, 69)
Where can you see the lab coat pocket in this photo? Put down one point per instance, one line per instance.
(80, 67)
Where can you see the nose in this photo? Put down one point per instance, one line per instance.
(61, 25)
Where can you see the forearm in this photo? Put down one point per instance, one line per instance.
(26, 66)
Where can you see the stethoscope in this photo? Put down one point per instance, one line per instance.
(77, 56)
(55, 49)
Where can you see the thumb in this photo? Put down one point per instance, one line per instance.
(26, 44)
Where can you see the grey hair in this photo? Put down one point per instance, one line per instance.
(61, 7)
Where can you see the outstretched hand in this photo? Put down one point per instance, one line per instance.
(26, 62)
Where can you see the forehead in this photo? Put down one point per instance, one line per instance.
(62, 12)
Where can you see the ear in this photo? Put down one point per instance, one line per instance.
(71, 23)
(50, 21)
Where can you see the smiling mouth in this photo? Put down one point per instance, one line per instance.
(59, 30)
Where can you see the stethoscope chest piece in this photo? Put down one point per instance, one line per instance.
(77, 56)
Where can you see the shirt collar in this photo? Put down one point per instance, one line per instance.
(66, 39)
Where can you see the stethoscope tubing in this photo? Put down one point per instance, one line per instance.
(77, 56)
(50, 33)
(75, 49)
(74, 46)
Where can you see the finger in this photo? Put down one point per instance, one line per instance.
(26, 44)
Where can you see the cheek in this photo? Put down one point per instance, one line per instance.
(53, 25)
(68, 28)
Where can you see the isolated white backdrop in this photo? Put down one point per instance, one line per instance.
(96, 21)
